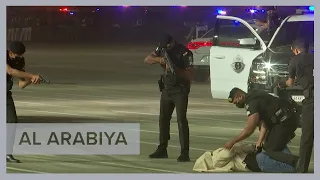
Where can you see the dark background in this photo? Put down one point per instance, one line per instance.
(115, 24)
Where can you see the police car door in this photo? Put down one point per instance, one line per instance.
(231, 55)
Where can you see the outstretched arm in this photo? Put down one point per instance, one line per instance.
(24, 78)
(152, 58)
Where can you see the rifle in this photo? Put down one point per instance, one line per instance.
(168, 60)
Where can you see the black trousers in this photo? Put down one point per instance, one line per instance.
(277, 139)
(12, 119)
(307, 136)
(174, 99)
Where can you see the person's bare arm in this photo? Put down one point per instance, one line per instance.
(23, 76)
(24, 83)
(262, 135)
(18, 74)
(253, 121)
(153, 59)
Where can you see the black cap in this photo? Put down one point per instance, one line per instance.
(17, 47)
(166, 39)
(233, 93)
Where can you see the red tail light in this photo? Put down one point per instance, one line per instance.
(196, 45)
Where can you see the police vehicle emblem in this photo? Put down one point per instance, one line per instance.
(238, 64)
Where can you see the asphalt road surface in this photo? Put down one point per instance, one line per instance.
(99, 83)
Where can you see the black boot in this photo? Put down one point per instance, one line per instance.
(11, 159)
(159, 153)
(184, 157)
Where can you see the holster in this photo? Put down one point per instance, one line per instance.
(161, 84)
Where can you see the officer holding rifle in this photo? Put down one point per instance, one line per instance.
(174, 84)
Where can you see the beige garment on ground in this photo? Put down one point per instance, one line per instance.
(223, 160)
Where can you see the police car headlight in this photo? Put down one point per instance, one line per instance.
(260, 77)
(263, 66)
(268, 65)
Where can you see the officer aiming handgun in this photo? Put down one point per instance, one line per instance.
(16, 69)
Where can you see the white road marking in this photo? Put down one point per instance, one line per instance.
(26, 170)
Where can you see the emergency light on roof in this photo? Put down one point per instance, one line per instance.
(64, 9)
(304, 11)
(311, 8)
(221, 12)
(252, 11)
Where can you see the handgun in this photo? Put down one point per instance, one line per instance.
(44, 80)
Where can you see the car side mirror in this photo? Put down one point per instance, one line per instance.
(247, 41)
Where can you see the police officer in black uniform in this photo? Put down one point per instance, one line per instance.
(175, 88)
(301, 69)
(269, 20)
(276, 117)
(15, 69)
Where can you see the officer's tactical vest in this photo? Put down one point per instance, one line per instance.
(279, 110)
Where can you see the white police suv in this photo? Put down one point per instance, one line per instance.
(257, 61)
(201, 46)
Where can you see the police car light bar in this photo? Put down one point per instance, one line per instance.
(304, 11)
(311, 8)
(252, 11)
(221, 12)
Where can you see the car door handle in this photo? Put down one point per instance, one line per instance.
(219, 57)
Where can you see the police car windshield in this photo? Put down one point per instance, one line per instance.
(291, 31)
(239, 31)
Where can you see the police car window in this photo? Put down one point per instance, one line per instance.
(291, 31)
(231, 31)
(209, 34)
